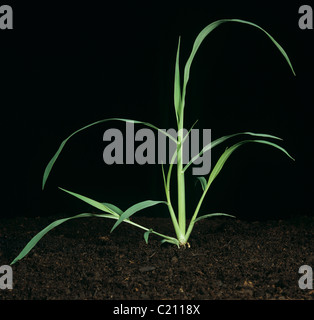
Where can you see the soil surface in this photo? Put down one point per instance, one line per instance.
(228, 259)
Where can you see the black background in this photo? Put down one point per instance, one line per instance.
(64, 66)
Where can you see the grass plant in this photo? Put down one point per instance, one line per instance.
(179, 221)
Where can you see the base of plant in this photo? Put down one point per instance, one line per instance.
(185, 245)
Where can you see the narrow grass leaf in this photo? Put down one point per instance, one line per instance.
(203, 34)
(203, 182)
(146, 235)
(220, 163)
(216, 142)
(30, 245)
(164, 178)
(177, 85)
(96, 204)
(211, 215)
(113, 208)
(172, 241)
(135, 208)
(55, 157)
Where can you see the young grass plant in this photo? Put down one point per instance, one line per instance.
(182, 231)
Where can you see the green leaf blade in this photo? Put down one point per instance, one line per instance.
(203, 182)
(219, 165)
(205, 32)
(172, 241)
(224, 157)
(211, 215)
(94, 203)
(57, 154)
(31, 244)
(113, 208)
(135, 208)
(177, 85)
(146, 235)
(220, 140)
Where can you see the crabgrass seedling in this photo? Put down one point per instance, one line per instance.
(182, 230)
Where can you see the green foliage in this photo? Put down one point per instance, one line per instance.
(179, 219)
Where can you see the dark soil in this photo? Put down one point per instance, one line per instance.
(228, 259)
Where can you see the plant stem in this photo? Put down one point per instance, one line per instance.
(146, 229)
(181, 180)
(180, 236)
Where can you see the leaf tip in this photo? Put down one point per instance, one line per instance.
(114, 226)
